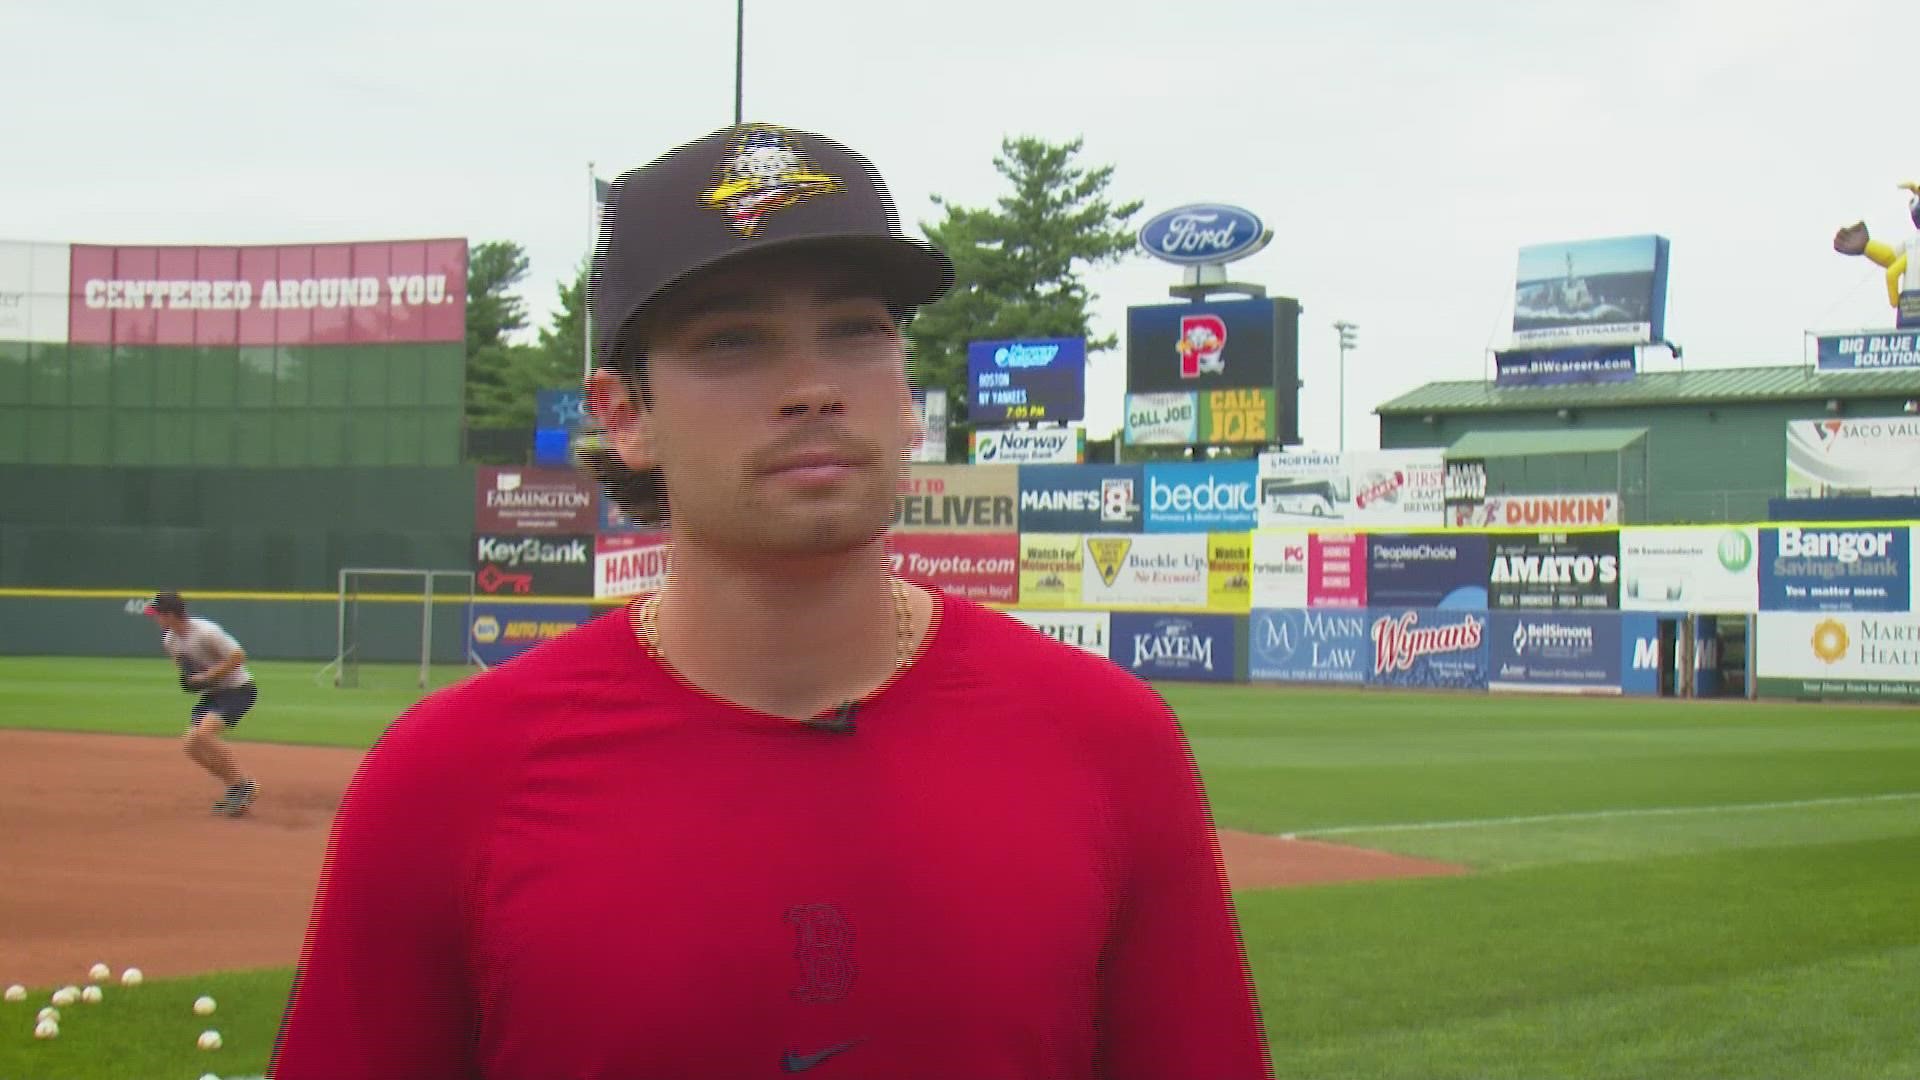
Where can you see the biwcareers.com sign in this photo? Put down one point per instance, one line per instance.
(1211, 496)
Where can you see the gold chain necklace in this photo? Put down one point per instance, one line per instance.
(646, 624)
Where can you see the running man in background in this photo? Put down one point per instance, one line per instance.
(213, 665)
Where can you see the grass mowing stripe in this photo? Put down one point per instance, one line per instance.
(1596, 815)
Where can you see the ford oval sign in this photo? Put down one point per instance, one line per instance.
(1203, 233)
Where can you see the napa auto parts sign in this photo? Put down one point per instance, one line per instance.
(296, 294)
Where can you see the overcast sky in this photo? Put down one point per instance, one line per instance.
(1401, 152)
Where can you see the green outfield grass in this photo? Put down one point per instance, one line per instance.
(151, 1030)
(1681, 891)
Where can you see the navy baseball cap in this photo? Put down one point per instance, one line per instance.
(167, 603)
(745, 190)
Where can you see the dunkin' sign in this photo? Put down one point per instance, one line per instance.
(1538, 511)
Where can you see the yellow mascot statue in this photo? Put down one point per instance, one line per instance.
(1903, 267)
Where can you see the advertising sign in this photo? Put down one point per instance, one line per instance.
(1280, 568)
(533, 565)
(499, 632)
(1200, 496)
(1150, 570)
(1247, 415)
(1703, 570)
(1081, 498)
(1203, 233)
(975, 566)
(1229, 571)
(1639, 654)
(1186, 647)
(930, 407)
(1336, 570)
(1427, 570)
(565, 409)
(1209, 345)
(34, 279)
(1577, 571)
(1427, 648)
(1050, 570)
(1878, 456)
(1056, 446)
(1088, 630)
(1026, 381)
(1556, 651)
(519, 500)
(1840, 655)
(1374, 488)
(615, 520)
(959, 498)
(1811, 568)
(1882, 350)
(297, 294)
(1540, 511)
(1163, 419)
(1295, 645)
(1564, 366)
(1591, 291)
(628, 564)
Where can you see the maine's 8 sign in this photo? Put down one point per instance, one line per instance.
(1028, 380)
(1200, 233)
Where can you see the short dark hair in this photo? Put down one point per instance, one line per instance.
(167, 603)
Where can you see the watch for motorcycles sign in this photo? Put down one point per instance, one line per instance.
(1203, 233)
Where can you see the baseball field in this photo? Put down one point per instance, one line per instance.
(1431, 886)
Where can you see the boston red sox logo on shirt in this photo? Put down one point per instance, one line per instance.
(824, 948)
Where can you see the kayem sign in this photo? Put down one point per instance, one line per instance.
(1039, 446)
(299, 294)
(1081, 498)
(1209, 496)
(1427, 648)
(1835, 569)
(1840, 655)
(984, 568)
(1563, 652)
(1086, 630)
(534, 565)
(959, 498)
(542, 501)
(1188, 647)
(1556, 571)
(1875, 456)
(628, 564)
(1153, 570)
(1705, 570)
(1540, 511)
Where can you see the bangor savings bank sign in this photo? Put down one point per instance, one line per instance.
(1201, 233)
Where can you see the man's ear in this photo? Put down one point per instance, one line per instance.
(629, 426)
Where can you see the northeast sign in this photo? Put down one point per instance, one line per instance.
(1203, 233)
(1040, 380)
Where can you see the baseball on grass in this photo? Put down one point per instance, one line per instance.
(203, 1006)
(46, 1029)
(92, 995)
(65, 996)
(130, 977)
(99, 973)
(16, 992)
(209, 1040)
(48, 1013)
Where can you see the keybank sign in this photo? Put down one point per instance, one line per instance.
(1211, 496)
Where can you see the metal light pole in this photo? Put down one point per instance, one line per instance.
(739, 53)
(1346, 342)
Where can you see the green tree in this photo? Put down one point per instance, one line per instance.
(1019, 266)
(565, 338)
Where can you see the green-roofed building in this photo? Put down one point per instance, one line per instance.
(1680, 446)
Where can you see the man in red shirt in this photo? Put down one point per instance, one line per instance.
(789, 814)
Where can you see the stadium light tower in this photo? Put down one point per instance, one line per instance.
(1346, 342)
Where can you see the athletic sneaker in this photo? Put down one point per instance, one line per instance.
(236, 800)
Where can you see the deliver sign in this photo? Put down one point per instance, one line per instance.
(980, 567)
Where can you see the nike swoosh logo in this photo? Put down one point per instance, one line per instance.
(794, 1063)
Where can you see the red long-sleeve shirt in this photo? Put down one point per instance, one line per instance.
(578, 866)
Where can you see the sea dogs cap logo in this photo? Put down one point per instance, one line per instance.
(1203, 233)
(1202, 345)
(764, 174)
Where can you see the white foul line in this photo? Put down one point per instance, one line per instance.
(1591, 815)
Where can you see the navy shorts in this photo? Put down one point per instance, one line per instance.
(230, 704)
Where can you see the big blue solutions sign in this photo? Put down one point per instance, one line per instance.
(1040, 380)
(1189, 647)
(1327, 645)
(1201, 496)
(1875, 351)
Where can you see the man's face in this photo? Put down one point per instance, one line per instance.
(780, 415)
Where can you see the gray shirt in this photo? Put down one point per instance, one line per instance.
(206, 644)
